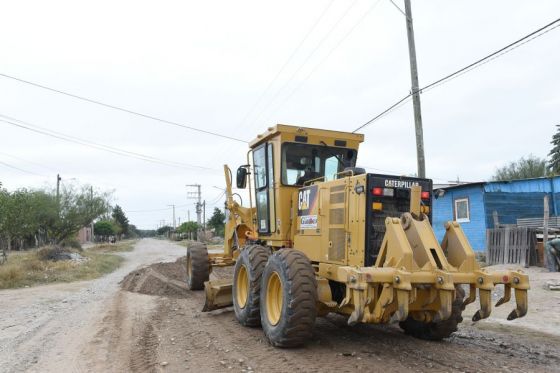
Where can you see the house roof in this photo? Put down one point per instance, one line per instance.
(461, 185)
(492, 185)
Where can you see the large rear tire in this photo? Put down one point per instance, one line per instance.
(246, 289)
(288, 299)
(436, 331)
(198, 266)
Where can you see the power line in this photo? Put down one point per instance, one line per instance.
(155, 210)
(316, 67)
(271, 83)
(217, 199)
(398, 8)
(305, 61)
(468, 67)
(500, 52)
(98, 146)
(28, 161)
(114, 107)
(20, 169)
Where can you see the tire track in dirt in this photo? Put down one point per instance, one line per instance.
(168, 332)
(215, 341)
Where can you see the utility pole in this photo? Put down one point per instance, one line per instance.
(198, 197)
(188, 215)
(415, 93)
(58, 178)
(204, 216)
(91, 197)
(174, 226)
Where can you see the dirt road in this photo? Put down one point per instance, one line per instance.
(94, 326)
(48, 328)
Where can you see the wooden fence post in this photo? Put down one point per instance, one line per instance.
(545, 229)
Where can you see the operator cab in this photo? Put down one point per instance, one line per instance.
(286, 158)
(302, 163)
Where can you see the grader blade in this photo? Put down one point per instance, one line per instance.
(218, 295)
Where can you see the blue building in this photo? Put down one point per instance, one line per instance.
(473, 205)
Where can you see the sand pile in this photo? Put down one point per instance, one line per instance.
(163, 279)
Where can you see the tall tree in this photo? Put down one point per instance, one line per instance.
(104, 228)
(554, 162)
(121, 219)
(164, 230)
(188, 227)
(217, 221)
(77, 208)
(524, 168)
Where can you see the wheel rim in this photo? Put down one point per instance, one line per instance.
(242, 286)
(274, 298)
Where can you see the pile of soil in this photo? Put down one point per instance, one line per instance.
(57, 253)
(163, 279)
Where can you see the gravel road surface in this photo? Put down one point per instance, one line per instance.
(96, 326)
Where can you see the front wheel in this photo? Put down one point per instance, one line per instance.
(435, 331)
(246, 289)
(198, 266)
(288, 298)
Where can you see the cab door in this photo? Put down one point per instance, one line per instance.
(263, 164)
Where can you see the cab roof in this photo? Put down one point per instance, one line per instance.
(289, 132)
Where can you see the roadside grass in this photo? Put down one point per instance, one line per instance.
(121, 246)
(186, 243)
(25, 269)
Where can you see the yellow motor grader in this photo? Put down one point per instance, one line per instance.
(321, 235)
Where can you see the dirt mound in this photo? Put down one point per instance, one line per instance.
(163, 279)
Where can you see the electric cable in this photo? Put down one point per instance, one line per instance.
(288, 60)
(98, 146)
(28, 161)
(492, 56)
(316, 67)
(276, 95)
(20, 169)
(114, 107)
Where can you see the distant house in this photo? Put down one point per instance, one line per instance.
(84, 235)
(477, 205)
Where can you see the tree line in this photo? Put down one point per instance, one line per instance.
(533, 166)
(216, 223)
(31, 217)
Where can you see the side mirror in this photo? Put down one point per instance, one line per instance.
(241, 179)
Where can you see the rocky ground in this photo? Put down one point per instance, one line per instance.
(142, 318)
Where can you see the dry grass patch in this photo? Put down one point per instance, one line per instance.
(27, 269)
(187, 243)
(119, 247)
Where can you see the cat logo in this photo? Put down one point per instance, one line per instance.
(303, 199)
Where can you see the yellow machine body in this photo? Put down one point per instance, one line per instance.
(374, 260)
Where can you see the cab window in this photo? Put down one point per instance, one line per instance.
(302, 163)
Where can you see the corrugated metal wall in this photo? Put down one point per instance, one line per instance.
(511, 206)
(512, 200)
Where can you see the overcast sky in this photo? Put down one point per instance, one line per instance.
(208, 64)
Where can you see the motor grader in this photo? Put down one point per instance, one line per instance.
(320, 235)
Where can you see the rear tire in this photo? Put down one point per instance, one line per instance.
(246, 290)
(436, 331)
(288, 298)
(198, 266)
